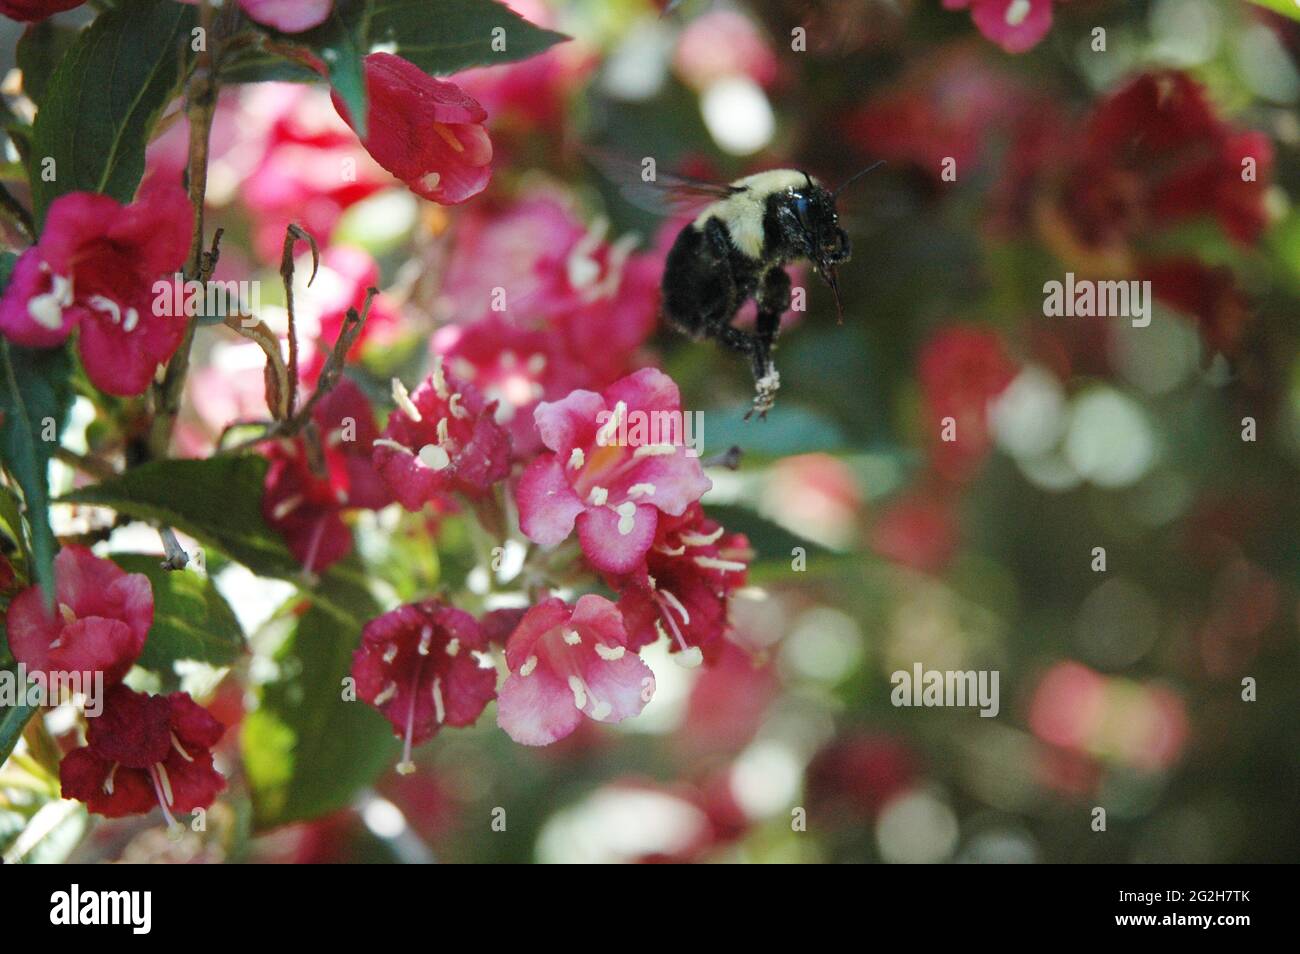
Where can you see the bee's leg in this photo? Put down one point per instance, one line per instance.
(773, 299)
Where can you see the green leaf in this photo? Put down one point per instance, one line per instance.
(191, 620)
(340, 42)
(13, 719)
(1287, 8)
(105, 97)
(218, 501)
(39, 51)
(443, 36)
(35, 393)
(307, 751)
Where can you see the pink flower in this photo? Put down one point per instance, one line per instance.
(94, 268)
(345, 276)
(681, 591)
(33, 10)
(1014, 25)
(511, 365)
(309, 169)
(416, 665)
(287, 16)
(606, 473)
(426, 131)
(144, 750)
(101, 618)
(441, 438)
(304, 498)
(566, 662)
(722, 44)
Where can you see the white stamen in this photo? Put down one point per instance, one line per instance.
(402, 398)
(108, 782)
(453, 405)
(453, 646)
(166, 782)
(1017, 10)
(132, 319)
(572, 638)
(626, 517)
(67, 613)
(443, 434)
(439, 379)
(47, 309)
(100, 303)
(610, 653)
(177, 743)
(676, 604)
(529, 665)
(609, 430)
(439, 711)
(536, 364)
(390, 653)
(390, 690)
(598, 496)
(577, 458)
(638, 490)
(669, 551)
(426, 637)
(713, 563)
(429, 182)
(390, 444)
(579, 689)
(689, 658)
(286, 507)
(700, 539)
(434, 457)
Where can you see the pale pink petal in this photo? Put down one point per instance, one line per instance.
(547, 504)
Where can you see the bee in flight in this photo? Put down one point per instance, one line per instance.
(736, 249)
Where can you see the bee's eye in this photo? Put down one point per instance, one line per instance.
(801, 210)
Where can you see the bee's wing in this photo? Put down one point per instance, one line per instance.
(661, 193)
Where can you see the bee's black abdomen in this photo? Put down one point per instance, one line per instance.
(688, 281)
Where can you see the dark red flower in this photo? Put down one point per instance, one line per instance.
(33, 10)
(100, 622)
(417, 666)
(1208, 294)
(426, 131)
(143, 751)
(682, 589)
(440, 438)
(305, 497)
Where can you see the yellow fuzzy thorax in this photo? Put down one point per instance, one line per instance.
(742, 213)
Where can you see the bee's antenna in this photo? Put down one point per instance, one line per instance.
(856, 176)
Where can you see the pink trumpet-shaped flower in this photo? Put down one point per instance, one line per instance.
(566, 662)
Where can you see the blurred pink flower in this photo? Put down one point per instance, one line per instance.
(1014, 25)
(962, 369)
(724, 43)
(33, 10)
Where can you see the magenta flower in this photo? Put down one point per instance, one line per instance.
(606, 473)
(416, 666)
(441, 437)
(100, 621)
(304, 500)
(94, 268)
(32, 10)
(566, 662)
(426, 131)
(1014, 25)
(682, 590)
(143, 751)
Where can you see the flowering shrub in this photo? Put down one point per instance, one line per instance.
(348, 466)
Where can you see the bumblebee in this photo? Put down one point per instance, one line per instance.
(736, 249)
